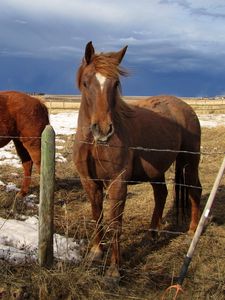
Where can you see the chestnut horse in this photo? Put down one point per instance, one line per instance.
(112, 145)
(22, 119)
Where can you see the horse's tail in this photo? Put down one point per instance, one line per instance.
(181, 192)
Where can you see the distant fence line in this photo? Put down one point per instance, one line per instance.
(200, 105)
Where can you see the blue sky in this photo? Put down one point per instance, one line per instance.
(174, 46)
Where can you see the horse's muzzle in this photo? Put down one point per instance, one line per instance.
(101, 135)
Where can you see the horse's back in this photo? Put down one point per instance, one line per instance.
(18, 102)
(167, 106)
(22, 114)
(185, 117)
(172, 110)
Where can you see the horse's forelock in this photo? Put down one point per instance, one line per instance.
(107, 65)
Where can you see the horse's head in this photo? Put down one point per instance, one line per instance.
(98, 81)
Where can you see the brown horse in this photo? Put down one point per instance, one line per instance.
(22, 119)
(117, 143)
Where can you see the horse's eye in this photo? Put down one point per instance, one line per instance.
(117, 83)
(85, 84)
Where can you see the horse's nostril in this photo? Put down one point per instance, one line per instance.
(111, 129)
(95, 128)
(102, 134)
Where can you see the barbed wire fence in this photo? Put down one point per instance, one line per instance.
(30, 257)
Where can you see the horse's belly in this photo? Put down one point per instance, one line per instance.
(150, 166)
(6, 130)
(4, 141)
(141, 173)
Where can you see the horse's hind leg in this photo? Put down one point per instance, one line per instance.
(193, 185)
(160, 194)
(27, 167)
(194, 196)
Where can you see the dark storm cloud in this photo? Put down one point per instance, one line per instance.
(171, 43)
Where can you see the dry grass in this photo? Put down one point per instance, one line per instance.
(148, 268)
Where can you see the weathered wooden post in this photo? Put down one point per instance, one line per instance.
(46, 204)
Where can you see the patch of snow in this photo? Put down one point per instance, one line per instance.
(11, 187)
(60, 141)
(19, 242)
(59, 147)
(30, 201)
(212, 120)
(60, 158)
(64, 123)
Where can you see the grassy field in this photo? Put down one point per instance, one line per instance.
(148, 267)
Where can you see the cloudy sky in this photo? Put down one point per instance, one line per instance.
(174, 46)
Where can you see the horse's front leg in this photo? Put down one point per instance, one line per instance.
(94, 191)
(117, 193)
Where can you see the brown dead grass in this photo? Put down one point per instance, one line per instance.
(148, 268)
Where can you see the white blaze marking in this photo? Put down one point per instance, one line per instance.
(101, 79)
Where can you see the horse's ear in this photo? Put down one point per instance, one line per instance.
(120, 54)
(89, 52)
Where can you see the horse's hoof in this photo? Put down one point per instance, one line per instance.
(191, 232)
(20, 195)
(95, 254)
(154, 235)
(18, 203)
(113, 275)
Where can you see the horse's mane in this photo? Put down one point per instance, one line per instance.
(107, 65)
(123, 111)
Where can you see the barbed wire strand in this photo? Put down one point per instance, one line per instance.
(138, 148)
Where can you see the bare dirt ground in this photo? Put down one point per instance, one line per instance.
(148, 267)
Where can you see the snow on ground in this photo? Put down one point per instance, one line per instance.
(19, 242)
(7, 157)
(212, 120)
(18, 239)
(64, 123)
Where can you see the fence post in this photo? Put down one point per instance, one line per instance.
(46, 204)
